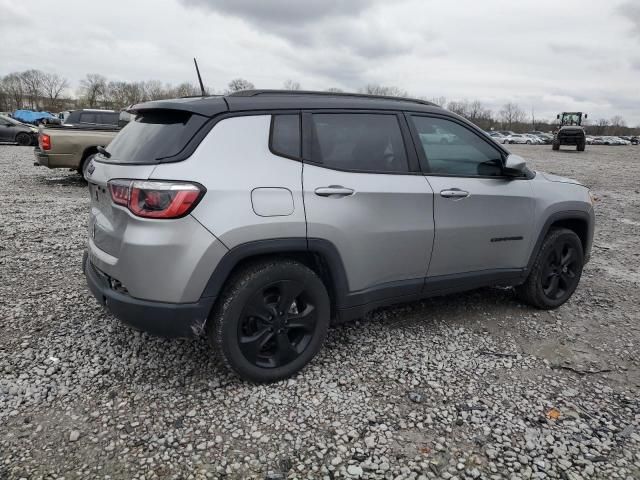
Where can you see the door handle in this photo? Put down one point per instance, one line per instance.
(454, 193)
(334, 191)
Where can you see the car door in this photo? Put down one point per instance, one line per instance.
(364, 193)
(6, 131)
(483, 219)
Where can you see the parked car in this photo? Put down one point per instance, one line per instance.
(518, 138)
(545, 138)
(60, 147)
(497, 136)
(535, 140)
(197, 222)
(32, 117)
(635, 140)
(597, 141)
(610, 140)
(11, 130)
(93, 117)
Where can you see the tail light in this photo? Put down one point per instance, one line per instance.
(156, 199)
(44, 141)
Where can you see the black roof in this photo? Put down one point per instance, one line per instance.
(248, 100)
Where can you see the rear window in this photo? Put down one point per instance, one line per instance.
(154, 135)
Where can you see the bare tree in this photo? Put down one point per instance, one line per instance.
(511, 115)
(618, 125)
(239, 84)
(33, 85)
(53, 85)
(391, 91)
(94, 88)
(601, 126)
(155, 91)
(441, 101)
(291, 85)
(14, 88)
(459, 107)
(185, 89)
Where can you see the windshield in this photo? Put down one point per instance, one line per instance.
(10, 120)
(571, 119)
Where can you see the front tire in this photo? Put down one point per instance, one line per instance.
(555, 146)
(556, 271)
(23, 139)
(270, 321)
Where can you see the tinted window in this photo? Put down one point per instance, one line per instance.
(154, 135)
(359, 141)
(285, 135)
(453, 149)
(87, 117)
(110, 118)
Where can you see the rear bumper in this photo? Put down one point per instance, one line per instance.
(41, 157)
(157, 318)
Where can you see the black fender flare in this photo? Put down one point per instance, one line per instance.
(556, 217)
(281, 246)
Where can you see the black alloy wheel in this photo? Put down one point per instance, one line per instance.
(560, 271)
(271, 319)
(556, 271)
(277, 324)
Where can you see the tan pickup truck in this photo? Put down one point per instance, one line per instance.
(70, 147)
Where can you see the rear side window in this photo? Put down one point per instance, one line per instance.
(110, 118)
(154, 135)
(285, 135)
(88, 117)
(359, 141)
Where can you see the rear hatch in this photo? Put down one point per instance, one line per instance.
(154, 136)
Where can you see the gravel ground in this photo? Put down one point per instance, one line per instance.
(465, 386)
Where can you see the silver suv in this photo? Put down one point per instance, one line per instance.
(259, 217)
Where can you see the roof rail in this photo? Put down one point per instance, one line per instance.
(253, 93)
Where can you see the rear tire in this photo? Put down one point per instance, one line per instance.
(270, 321)
(581, 146)
(555, 146)
(82, 171)
(23, 139)
(556, 271)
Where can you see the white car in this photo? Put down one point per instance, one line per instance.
(534, 139)
(497, 136)
(614, 141)
(518, 138)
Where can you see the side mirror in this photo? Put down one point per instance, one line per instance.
(585, 115)
(515, 166)
(558, 117)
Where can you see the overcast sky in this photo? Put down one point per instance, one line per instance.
(550, 55)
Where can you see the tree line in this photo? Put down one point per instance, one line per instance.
(37, 90)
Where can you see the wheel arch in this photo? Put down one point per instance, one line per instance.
(577, 221)
(319, 255)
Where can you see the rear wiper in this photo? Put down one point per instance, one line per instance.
(102, 151)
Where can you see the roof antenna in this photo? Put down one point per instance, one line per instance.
(199, 77)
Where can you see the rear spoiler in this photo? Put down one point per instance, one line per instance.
(205, 106)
